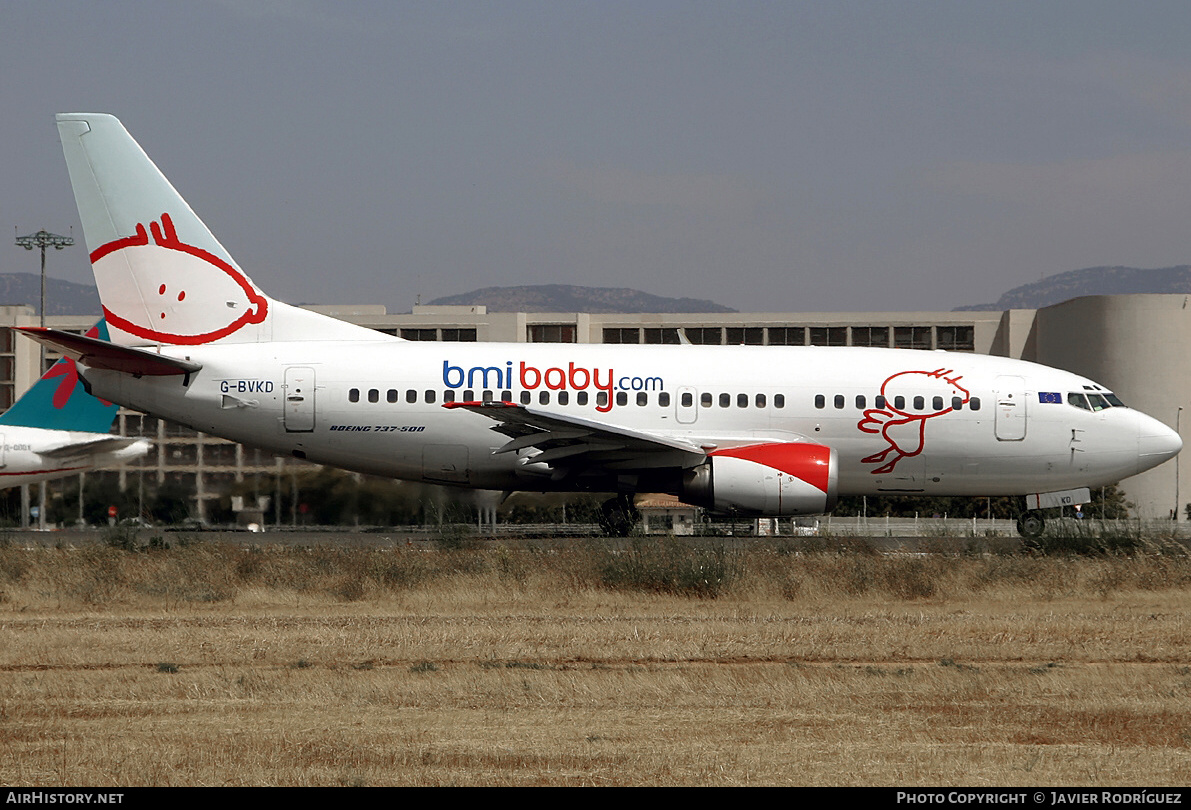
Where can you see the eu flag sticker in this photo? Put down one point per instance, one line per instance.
(1050, 397)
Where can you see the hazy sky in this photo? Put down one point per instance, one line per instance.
(767, 155)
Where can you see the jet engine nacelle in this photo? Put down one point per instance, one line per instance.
(766, 480)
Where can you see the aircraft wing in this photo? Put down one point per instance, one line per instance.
(94, 443)
(568, 443)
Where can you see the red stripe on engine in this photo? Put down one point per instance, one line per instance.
(806, 461)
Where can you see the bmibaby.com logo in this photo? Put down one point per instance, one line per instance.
(555, 378)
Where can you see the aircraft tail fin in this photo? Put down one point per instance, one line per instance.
(163, 277)
(57, 401)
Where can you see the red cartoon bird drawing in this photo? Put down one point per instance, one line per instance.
(905, 430)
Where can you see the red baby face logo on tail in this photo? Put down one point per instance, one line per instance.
(903, 428)
(170, 292)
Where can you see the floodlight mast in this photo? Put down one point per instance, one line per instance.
(42, 239)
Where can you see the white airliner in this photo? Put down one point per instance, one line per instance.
(57, 429)
(765, 431)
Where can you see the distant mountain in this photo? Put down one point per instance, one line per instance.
(569, 298)
(1091, 281)
(62, 297)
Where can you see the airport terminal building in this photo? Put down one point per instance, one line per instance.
(1133, 344)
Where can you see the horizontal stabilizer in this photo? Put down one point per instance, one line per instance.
(96, 443)
(95, 353)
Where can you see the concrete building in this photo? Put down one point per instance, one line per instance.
(1131, 343)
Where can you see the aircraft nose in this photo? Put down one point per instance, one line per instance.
(1156, 443)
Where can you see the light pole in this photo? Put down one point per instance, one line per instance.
(42, 239)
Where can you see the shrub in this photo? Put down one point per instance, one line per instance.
(669, 567)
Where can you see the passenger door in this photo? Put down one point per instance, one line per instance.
(299, 399)
(1011, 409)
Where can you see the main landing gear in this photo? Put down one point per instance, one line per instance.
(618, 516)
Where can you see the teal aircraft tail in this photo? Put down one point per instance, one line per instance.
(58, 402)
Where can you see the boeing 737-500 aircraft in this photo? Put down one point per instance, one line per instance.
(766, 431)
(56, 429)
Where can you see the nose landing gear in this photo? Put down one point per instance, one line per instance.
(1031, 523)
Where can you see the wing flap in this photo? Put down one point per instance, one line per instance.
(574, 441)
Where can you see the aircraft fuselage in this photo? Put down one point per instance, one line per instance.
(900, 420)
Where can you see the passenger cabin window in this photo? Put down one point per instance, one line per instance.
(564, 397)
(391, 395)
(353, 395)
(526, 397)
(373, 395)
(602, 399)
(705, 400)
(742, 400)
(779, 400)
(431, 396)
(820, 401)
(581, 398)
(448, 395)
(664, 399)
(622, 398)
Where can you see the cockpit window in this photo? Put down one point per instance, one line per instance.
(1099, 403)
(1114, 400)
(1078, 400)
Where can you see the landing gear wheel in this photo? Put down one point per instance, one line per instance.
(618, 516)
(1030, 524)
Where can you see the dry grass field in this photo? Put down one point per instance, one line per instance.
(659, 665)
